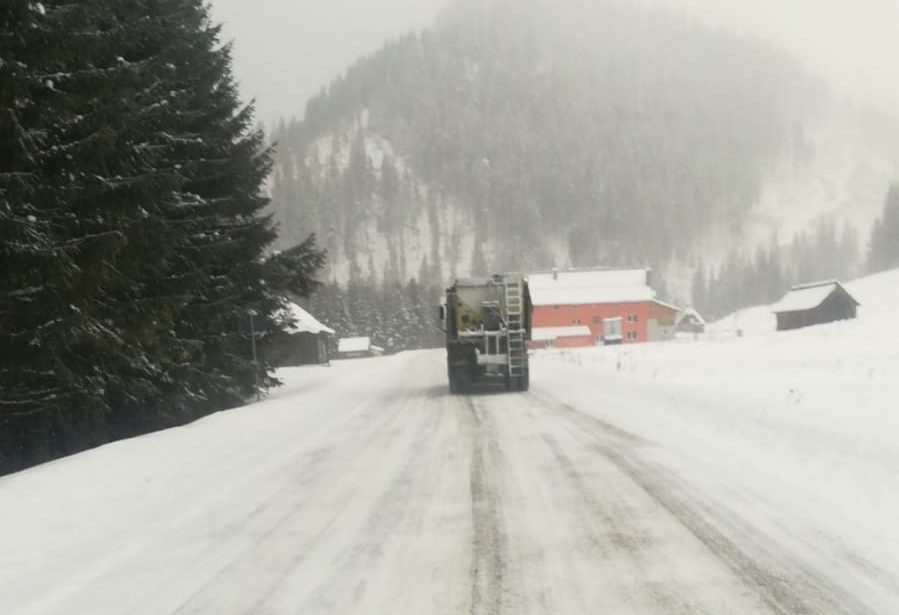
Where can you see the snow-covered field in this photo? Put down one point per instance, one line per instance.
(745, 475)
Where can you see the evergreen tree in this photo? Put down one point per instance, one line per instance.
(224, 161)
(90, 337)
(883, 251)
(31, 265)
(700, 288)
(130, 219)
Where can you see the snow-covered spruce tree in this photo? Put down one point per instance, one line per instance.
(223, 162)
(700, 288)
(87, 334)
(883, 252)
(132, 245)
(28, 264)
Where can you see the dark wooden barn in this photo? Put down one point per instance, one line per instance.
(815, 304)
(308, 340)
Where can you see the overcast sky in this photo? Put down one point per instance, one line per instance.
(286, 50)
(854, 44)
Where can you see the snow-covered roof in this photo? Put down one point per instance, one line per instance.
(354, 344)
(581, 287)
(303, 321)
(666, 305)
(807, 297)
(691, 313)
(548, 334)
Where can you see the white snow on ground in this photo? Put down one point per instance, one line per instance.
(247, 511)
(878, 294)
(745, 475)
(809, 417)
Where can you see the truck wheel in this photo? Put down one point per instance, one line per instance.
(458, 382)
(524, 383)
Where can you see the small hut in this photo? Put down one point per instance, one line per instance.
(308, 340)
(691, 322)
(814, 304)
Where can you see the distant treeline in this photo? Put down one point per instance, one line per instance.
(824, 253)
(396, 316)
(131, 241)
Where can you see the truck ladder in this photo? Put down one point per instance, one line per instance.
(517, 352)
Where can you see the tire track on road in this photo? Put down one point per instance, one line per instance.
(293, 503)
(615, 536)
(489, 543)
(785, 584)
(389, 511)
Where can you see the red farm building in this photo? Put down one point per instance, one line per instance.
(618, 306)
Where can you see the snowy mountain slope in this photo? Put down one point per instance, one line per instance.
(836, 169)
(839, 173)
(651, 141)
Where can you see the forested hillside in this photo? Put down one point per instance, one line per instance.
(607, 134)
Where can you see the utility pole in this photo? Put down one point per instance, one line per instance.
(252, 314)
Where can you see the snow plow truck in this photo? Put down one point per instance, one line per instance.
(488, 325)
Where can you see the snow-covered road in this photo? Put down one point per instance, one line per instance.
(366, 489)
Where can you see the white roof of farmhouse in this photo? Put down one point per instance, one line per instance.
(584, 287)
(808, 297)
(303, 321)
(354, 344)
(548, 334)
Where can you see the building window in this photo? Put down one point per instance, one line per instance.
(597, 320)
(632, 336)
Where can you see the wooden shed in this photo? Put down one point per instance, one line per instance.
(690, 321)
(815, 304)
(308, 340)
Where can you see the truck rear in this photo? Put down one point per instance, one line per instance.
(488, 324)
